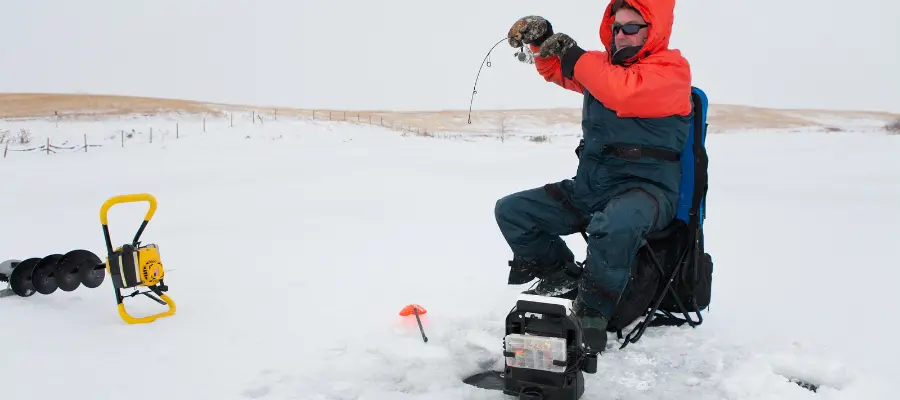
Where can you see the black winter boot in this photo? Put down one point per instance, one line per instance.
(562, 283)
(521, 272)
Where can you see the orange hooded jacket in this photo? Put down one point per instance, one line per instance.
(656, 84)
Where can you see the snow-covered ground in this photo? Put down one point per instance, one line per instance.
(291, 246)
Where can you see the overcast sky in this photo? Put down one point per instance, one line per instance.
(405, 54)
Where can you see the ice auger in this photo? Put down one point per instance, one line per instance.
(134, 265)
(45, 275)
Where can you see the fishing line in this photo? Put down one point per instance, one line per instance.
(485, 61)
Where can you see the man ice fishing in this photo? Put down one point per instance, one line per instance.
(635, 120)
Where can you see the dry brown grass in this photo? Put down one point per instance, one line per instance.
(721, 117)
(27, 105)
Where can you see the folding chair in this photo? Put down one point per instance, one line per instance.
(673, 266)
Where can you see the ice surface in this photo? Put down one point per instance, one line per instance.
(290, 248)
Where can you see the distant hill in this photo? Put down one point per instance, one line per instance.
(722, 117)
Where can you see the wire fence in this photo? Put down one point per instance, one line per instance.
(119, 130)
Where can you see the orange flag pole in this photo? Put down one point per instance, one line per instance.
(416, 310)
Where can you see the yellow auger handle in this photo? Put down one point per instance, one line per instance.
(150, 318)
(127, 198)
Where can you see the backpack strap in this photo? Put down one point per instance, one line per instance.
(701, 160)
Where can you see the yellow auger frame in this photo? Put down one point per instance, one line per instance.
(133, 265)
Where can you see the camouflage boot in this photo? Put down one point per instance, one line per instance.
(593, 326)
(562, 283)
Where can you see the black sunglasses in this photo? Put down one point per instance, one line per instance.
(628, 29)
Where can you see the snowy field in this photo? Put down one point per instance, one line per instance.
(290, 247)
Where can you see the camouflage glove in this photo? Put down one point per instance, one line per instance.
(529, 30)
(568, 51)
(556, 45)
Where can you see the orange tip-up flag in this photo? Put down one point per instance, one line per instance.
(417, 310)
(412, 308)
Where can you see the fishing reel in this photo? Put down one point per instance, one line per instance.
(132, 266)
(525, 55)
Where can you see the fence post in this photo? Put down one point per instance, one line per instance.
(85, 142)
(151, 134)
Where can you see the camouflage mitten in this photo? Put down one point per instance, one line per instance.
(556, 45)
(564, 47)
(529, 30)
